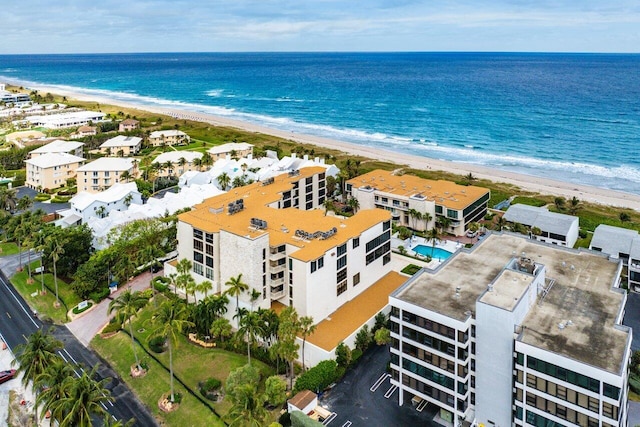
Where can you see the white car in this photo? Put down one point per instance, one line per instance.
(472, 234)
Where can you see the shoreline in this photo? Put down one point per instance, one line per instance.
(529, 183)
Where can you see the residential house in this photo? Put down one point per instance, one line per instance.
(176, 163)
(128, 125)
(102, 173)
(442, 203)
(59, 146)
(514, 333)
(121, 145)
(170, 137)
(118, 197)
(232, 149)
(84, 131)
(554, 228)
(51, 171)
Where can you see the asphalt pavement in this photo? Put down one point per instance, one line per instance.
(17, 323)
(353, 402)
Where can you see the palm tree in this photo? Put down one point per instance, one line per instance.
(354, 204)
(150, 255)
(170, 321)
(426, 217)
(500, 222)
(248, 407)
(40, 243)
(52, 384)
(181, 162)
(236, 287)
(220, 328)
(224, 180)
(306, 328)
(444, 223)
(560, 203)
(85, 399)
(24, 203)
(255, 295)
(413, 216)
(251, 327)
(125, 176)
(470, 178)
(574, 205)
(205, 286)
(126, 306)
(101, 210)
(128, 199)
(185, 280)
(288, 329)
(433, 235)
(35, 356)
(56, 249)
(8, 199)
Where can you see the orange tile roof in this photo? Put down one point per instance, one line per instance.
(352, 315)
(210, 216)
(446, 193)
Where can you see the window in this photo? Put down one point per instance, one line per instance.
(342, 262)
(197, 268)
(342, 287)
(197, 256)
(356, 279)
(209, 273)
(197, 234)
(342, 249)
(386, 225)
(320, 262)
(356, 242)
(314, 266)
(197, 245)
(209, 261)
(341, 275)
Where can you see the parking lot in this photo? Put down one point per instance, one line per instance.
(364, 397)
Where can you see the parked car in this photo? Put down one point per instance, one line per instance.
(472, 234)
(7, 375)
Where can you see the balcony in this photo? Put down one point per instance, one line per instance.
(277, 292)
(276, 268)
(277, 282)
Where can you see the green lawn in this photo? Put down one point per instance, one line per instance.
(192, 364)
(44, 303)
(8, 248)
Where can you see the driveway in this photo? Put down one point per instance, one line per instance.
(352, 401)
(86, 326)
(47, 207)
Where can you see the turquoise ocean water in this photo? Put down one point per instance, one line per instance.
(572, 117)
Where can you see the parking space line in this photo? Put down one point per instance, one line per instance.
(347, 424)
(329, 418)
(391, 390)
(422, 405)
(379, 382)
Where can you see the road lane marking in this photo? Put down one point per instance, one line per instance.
(20, 304)
(8, 315)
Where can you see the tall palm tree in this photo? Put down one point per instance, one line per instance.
(413, 214)
(205, 286)
(40, 243)
(444, 223)
(185, 280)
(150, 255)
(433, 235)
(35, 356)
(8, 199)
(251, 327)
(354, 204)
(224, 180)
(126, 306)
(426, 217)
(56, 249)
(574, 205)
(236, 287)
(170, 320)
(85, 399)
(307, 328)
(181, 162)
(52, 384)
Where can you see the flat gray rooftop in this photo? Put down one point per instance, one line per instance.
(582, 293)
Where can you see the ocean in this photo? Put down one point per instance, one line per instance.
(570, 117)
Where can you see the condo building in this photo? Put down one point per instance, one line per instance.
(514, 332)
(291, 252)
(169, 137)
(102, 173)
(403, 195)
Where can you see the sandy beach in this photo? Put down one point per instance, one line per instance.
(528, 183)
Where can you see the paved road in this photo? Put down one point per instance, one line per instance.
(18, 323)
(352, 400)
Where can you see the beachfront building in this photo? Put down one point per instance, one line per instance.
(121, 145)
(286, 248)
(51, 171)
(170, 137)
(128, 125)
(176, 163)
(622, 244)
(234, 150)
(64, 119)
(445, 202)
(514, 333)
(549, 227)
(84, 131)
(58, 146)
(13, 99)
(102, 173)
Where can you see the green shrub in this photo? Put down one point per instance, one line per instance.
(531, 201)
(160, 287)
(157, 344)
(411, 269)
(41, 197)
(343, 355)
(582, 234)
(99, 295)
(209, 388)
(60, 199)
(318, 378)
(356, 354)
(112, 327)
(77, 310)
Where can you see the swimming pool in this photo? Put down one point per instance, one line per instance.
(435, 253)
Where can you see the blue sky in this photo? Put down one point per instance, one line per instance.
(77, 26)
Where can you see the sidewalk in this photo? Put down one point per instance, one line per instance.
(86, 326)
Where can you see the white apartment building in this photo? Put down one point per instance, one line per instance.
(273, 233)
(177, 162)
(623, 244)
(102, 173)
(168, 137)
(460, 205)
(555, 228)
(233, 149)
(12, 98)
(66, 120)
(517, 333)
(121, 145)
(59, 146)
(51, 171)
(118, 197)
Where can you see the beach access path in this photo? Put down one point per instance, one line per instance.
(525, 182)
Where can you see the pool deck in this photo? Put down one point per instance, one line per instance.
(450, 246)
